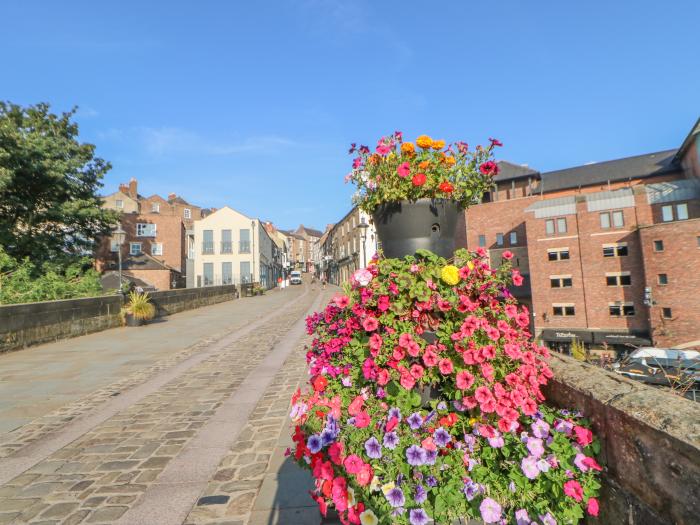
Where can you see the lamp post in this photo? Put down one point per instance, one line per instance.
(119, 235)
(252, 250)
(363, 235)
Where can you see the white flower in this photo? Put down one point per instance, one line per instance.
(374, 484)
(351, 497)
(368, 518)
(362, 277)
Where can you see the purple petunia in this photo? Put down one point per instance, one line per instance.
(441, 437)
(470, 490)
(415, 421)
(535, 446)
(529, 467)
(327, 437)
(395, 497)
(431, 481)
(540, 429)
(490, 510)
(522, 517)
(470, 441)
(314, 443)
(391, 440)
(430, 457)
(373, 448)
(420, 494)
(395, 412)
(415, 455)
(417, 517)
(548, 519)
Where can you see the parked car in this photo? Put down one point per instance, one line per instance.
(295, 277)
(661, 366)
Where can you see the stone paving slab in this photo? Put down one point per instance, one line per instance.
(100, 476)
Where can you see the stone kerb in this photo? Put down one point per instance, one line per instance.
(650, 443)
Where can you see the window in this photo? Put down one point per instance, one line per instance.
(667, 213)
(499, 239)
(226, 244)
(560, 281)
(621, 309)
(157, 248)
(113, 246)
(135, 248)
(245, 272)
(605, 220)
(208, 274)
(682, 211)
(145, 230)
(698, 239)
(618, 279)
(513, 238)
(482, 240)
(563, 310)
(662, 279)
(187, 213)
(207, 242)
(226, 273)
(155, 207)
(244, 243)
(119, 204)
(658, 246)
(615, 250)
(561, 225)
(666, 313)
(549, 226)
(618, 219)
(558, 254)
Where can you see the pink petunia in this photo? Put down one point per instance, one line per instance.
(370, 324)
(464, 380)
(445, 365)
(573, 489)
(353, 463)
(404, 170)
(592, 507)
(362, 420)
(583, 436)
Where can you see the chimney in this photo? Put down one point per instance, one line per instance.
(124, 188)
(172, 196)
(133, 188)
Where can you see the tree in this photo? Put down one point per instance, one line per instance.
(49, 207)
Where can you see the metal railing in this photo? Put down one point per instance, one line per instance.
(226, 247)
(244, 247)
(208, 247)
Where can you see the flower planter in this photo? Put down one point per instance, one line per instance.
(429, 224)
(134, 321)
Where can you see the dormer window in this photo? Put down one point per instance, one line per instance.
(155, 207)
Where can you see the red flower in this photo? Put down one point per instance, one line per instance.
(419, 179)
(592, 507)
(446, 187)
(391, 424)
(489, 168)
(320, 383)
(508, 255)
(573, 489)
(496, 142)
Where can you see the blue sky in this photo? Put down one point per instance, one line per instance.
(253, 104)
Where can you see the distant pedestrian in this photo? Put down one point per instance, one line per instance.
(323, 281)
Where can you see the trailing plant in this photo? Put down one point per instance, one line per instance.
(425, 402)
(398, 170)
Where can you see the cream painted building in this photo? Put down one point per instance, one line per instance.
(232, 248)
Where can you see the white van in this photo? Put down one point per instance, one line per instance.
(295, 277)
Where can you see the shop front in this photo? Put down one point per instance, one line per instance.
(614, 344)
(560, 340)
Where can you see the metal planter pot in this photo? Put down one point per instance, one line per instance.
(429, 224)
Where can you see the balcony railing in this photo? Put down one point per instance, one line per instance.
(207, 247)
(244, 247)
(226, 247)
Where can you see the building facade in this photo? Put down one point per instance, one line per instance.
(155, 249)
(347, 246)
(604, 248)
(305, 248)
(232, 248)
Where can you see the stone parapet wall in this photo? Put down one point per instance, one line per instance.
(650, 443)
(23, 325)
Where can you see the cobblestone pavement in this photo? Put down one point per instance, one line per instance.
(153, 459)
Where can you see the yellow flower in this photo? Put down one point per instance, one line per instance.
(351, 497)
(450, 274)
(408, 148)
(424, 141)
(438, 144)
(472, 421)
(387, 487)
(470, 265)
(368, 517)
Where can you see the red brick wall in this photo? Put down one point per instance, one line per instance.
(160, 279)
(680, 261)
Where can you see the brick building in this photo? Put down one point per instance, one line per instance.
(156, 249)
(605, 248)
(347, 246)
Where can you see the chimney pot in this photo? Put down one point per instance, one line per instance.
(133, 188)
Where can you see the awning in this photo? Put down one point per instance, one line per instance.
(621, 338)
(566, 336)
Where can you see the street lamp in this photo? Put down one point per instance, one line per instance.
(119, 236)
(363, 235)
(252, 238)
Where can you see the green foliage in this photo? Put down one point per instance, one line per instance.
(25, 282)
(49, 207)
(140, 306)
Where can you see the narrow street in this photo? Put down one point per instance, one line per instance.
(181, 421)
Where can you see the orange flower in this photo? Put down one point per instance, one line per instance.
(424, 141)
(438, 144)
(450, 160)
(423, 164)
(375, 159)
(408, 148)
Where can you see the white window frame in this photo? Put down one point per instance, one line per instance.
(155, 207)
(187, 213)
(560, 278)
(682, 216)
(140, 226)
(667, 213)
(131, 248)
(513, 238)
(119, 203)
(558, 252)
(616, 249)
(159, 251)
(113, 246)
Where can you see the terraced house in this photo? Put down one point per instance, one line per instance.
(609, 250)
